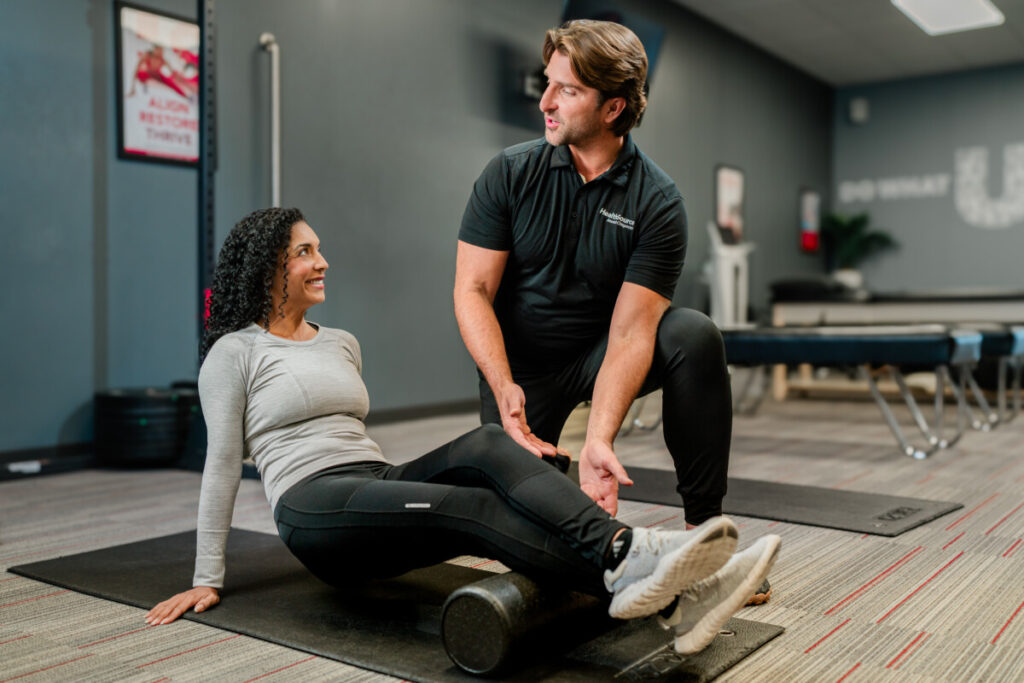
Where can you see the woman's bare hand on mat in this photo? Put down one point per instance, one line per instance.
(201, 598)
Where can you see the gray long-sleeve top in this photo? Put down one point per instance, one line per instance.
(294, 407)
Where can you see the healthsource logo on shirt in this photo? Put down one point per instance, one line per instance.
(617, 219)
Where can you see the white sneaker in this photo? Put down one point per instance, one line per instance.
(702, 609)
(661, 563)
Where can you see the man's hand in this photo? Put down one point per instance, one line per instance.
(512, 406)
(201, 598)
(600, 475)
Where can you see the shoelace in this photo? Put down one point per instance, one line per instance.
(654, 543)
(693, 592)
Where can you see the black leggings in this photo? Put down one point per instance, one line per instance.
(689, 365)
(478, 495)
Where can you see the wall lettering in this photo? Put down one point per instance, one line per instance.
(970, 188)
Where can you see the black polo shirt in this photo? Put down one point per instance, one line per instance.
(571, 245)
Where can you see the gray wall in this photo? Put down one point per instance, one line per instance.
(391, 109)
(960, 224)
(99, 266)
(386, 123)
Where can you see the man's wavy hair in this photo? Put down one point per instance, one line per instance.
(245, 268)
(607, 57)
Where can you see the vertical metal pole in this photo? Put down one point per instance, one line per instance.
(268, 43)
(207, 154)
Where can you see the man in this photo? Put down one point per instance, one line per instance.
(568, 256)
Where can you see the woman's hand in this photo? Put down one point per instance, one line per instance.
(201, 598)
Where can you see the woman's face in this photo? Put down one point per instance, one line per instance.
(304, 271)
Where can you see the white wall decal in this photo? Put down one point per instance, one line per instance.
(972, 200)
(970, 189)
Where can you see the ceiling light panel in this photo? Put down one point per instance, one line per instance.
(938, 17)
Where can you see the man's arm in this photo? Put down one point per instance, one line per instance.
(478, 274)
(631, 338)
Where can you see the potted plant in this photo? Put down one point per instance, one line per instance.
(848, 242)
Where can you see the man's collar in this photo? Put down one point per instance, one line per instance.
(560, 156)
(616, 174)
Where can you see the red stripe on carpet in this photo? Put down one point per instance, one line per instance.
(281, 669)
(905, 650)
(46, 668)
(1001, 471)
(863, 588)
(843, 677)
(934, 470)
(185, 652)
(826, 636)
(38, 597)
(662, 521)
(901, 602)
(4, 642)
(1008, 621)
(1010, 550)
(1004, 519)
(984, 503)
(852, 479)
(120, 635)
(954, 540)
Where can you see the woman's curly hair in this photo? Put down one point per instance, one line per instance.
(245, 268)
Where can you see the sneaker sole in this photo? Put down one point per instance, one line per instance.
(705, 630)
(698, 559)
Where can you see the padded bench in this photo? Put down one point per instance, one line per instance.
(870, 347)
(1005, 343)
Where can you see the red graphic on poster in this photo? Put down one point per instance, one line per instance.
(160, 73)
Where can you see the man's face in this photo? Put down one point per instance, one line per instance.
(572, 113)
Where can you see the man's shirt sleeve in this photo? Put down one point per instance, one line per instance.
(658, 258)
(487, 220)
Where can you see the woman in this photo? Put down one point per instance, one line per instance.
(288, 393)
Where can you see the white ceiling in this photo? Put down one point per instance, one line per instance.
(847, 42)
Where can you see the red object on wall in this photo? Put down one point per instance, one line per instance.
(810, 220)
(206, 306)
(809, 241)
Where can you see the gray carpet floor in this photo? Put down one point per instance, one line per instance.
(939, 603)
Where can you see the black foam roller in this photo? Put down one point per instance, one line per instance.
(493, 625)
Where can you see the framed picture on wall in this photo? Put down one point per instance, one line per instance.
(810, 220)
(729, 203)
(157, 86)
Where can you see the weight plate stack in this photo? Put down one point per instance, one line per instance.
(143, 427)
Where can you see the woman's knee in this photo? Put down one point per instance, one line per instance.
(487, 441)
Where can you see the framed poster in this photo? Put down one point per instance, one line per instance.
(810, 220)
(729, 203)
(157, 86)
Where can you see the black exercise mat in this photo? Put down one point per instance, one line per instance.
(868, 513)
(391, 626)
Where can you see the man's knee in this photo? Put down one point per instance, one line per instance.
(691, 332)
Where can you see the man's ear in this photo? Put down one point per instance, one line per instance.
(612, 107)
